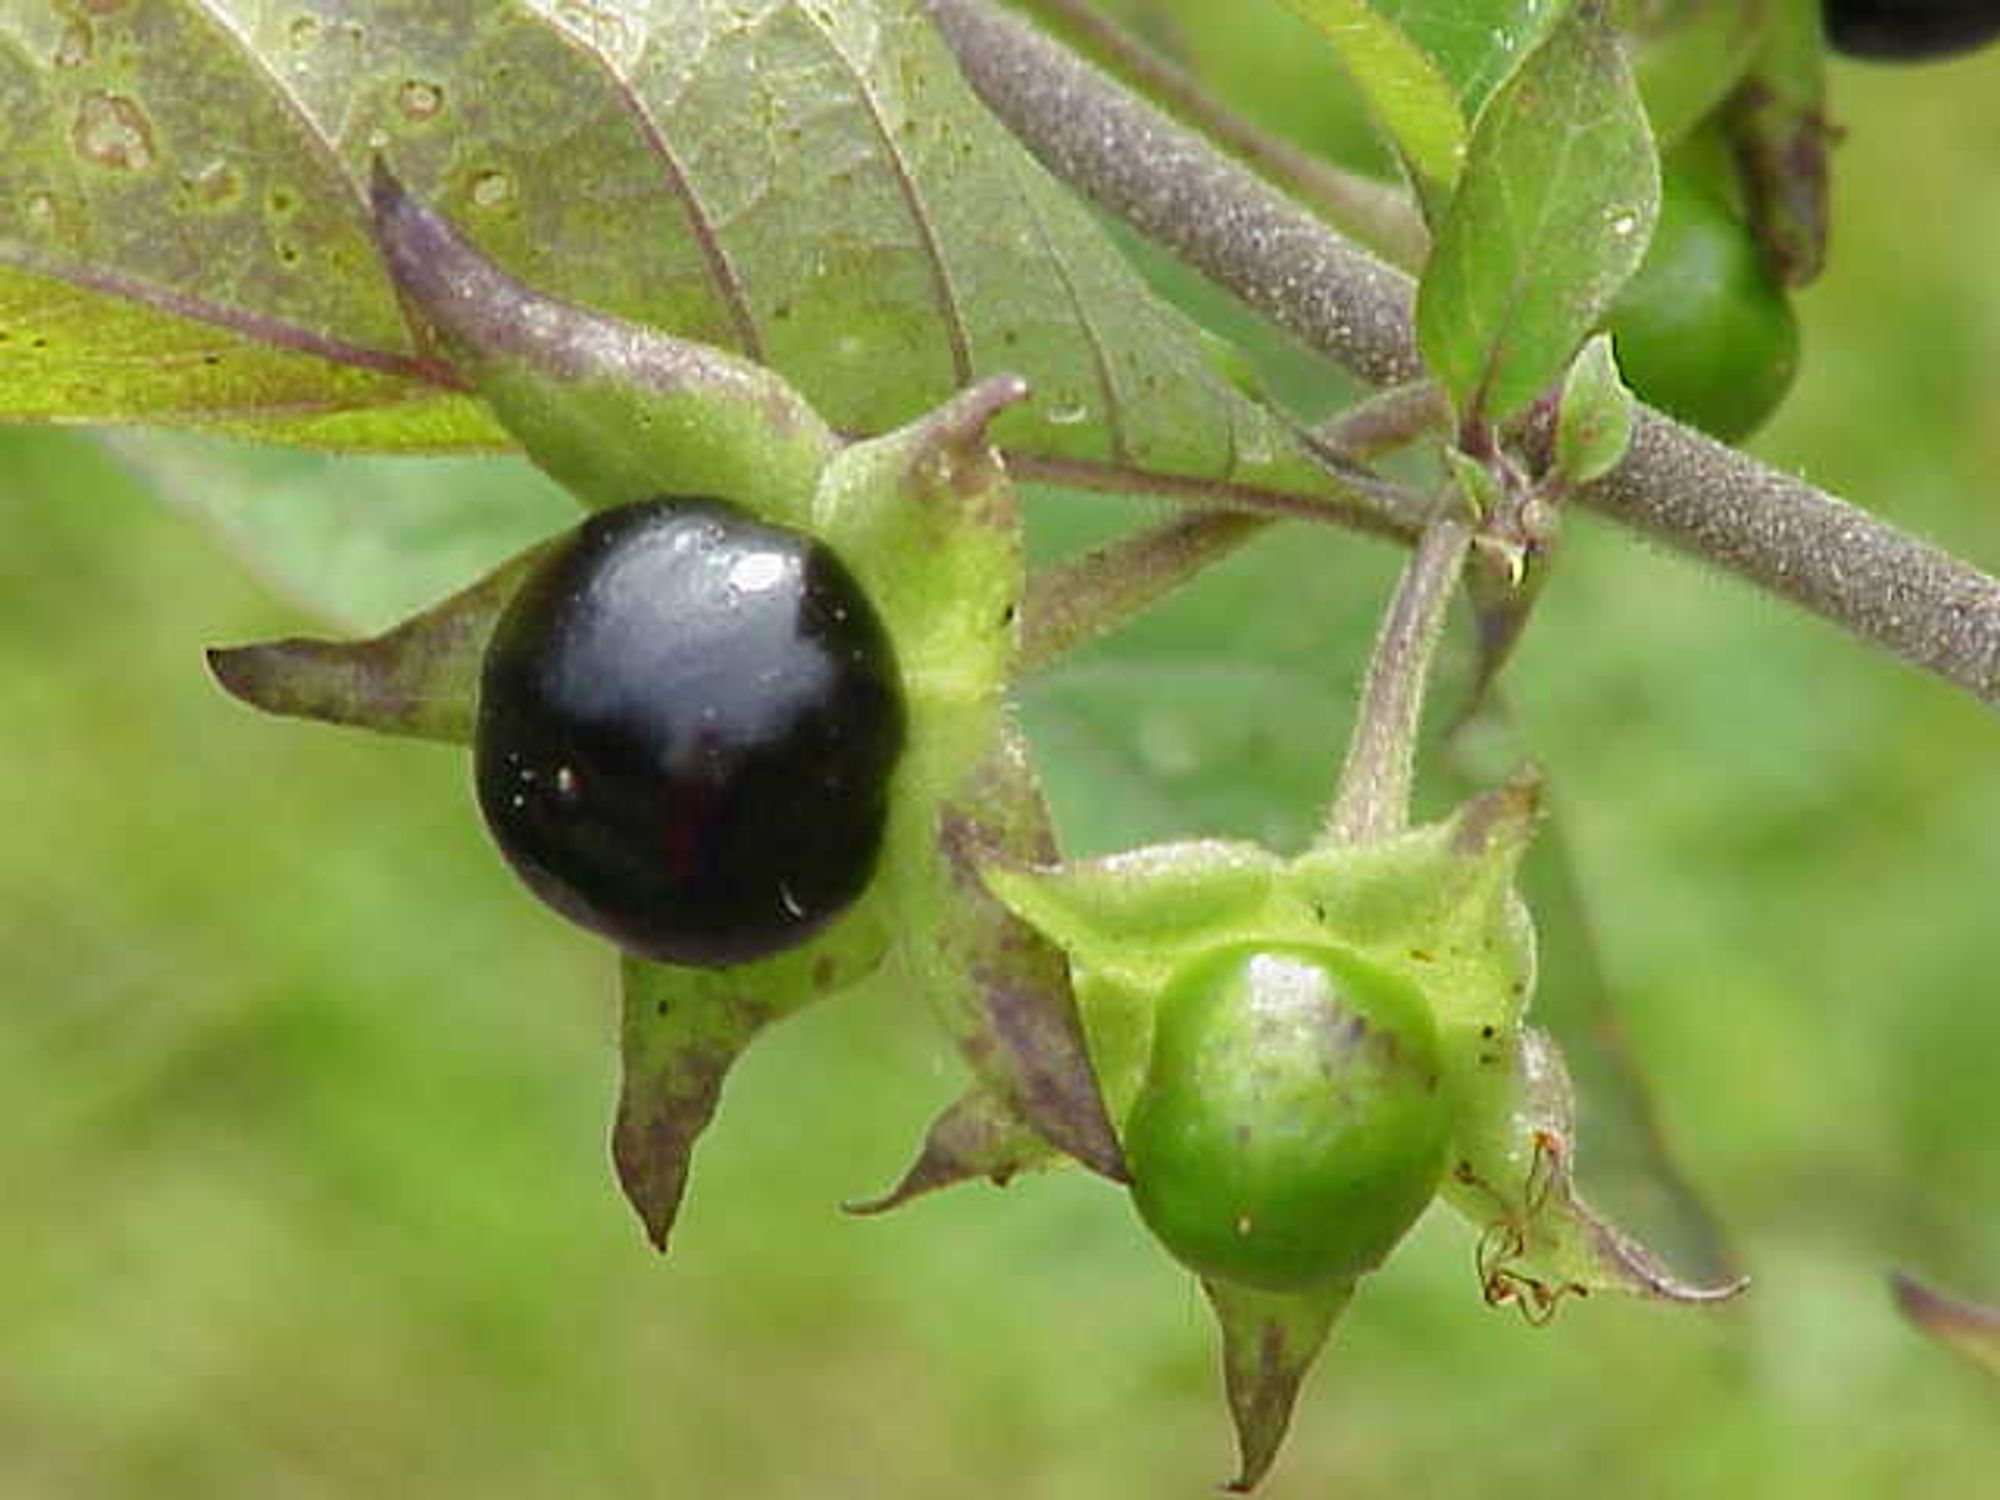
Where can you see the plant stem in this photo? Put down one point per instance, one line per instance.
(1077, 601)
(1073, 603)
(1382, 423)
(1810, 547)
(1693, 493)
(1379, 507)
(1378, 214)
(1372, 799)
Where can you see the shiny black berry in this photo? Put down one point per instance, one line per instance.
(687, 725)
(1910, 28)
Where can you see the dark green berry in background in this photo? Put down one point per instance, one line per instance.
(1703, 330)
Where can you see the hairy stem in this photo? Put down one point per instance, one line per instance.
(1381, 424)
(1677, 485)
(1379, 214)
(1809, 547)
(1372, 799)
(1389, 510)
(1075, 602)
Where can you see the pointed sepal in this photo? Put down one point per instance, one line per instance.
(1512, 1174)
(614, 410)
(684, 1029)
(1969, 1329)
(927, 516)
(1128, 922)
(977, 1135)
(1002, 988)
(420, 679)
(1269, 1343)
(1437, 905)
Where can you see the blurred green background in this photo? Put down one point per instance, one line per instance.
(305, 1189)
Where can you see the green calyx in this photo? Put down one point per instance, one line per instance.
(1301, 1054)
(1418, 934)
(924, 519)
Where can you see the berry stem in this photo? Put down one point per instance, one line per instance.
(1073, 603)
(1382, 423)
(1372, 799)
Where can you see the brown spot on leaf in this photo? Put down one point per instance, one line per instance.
(112, 131)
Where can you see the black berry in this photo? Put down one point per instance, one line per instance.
(688, 721)
(1910, 28)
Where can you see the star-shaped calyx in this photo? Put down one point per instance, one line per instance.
(925, 520)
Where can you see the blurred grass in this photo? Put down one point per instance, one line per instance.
(306, 1191)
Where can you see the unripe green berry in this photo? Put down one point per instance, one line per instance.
(1293, 1121)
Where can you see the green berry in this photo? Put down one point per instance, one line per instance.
(1293, 1122)
(1704, 331)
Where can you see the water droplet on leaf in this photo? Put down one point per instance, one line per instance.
(601, 28)
(216, 186)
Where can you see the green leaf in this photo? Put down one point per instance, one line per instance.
(1414, 101)
(1558, 200)
(1475, 43)
(184, 226)
(1426, 68)
(1593, 416)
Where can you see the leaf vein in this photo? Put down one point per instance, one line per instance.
(920, 219)
(723, 275)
